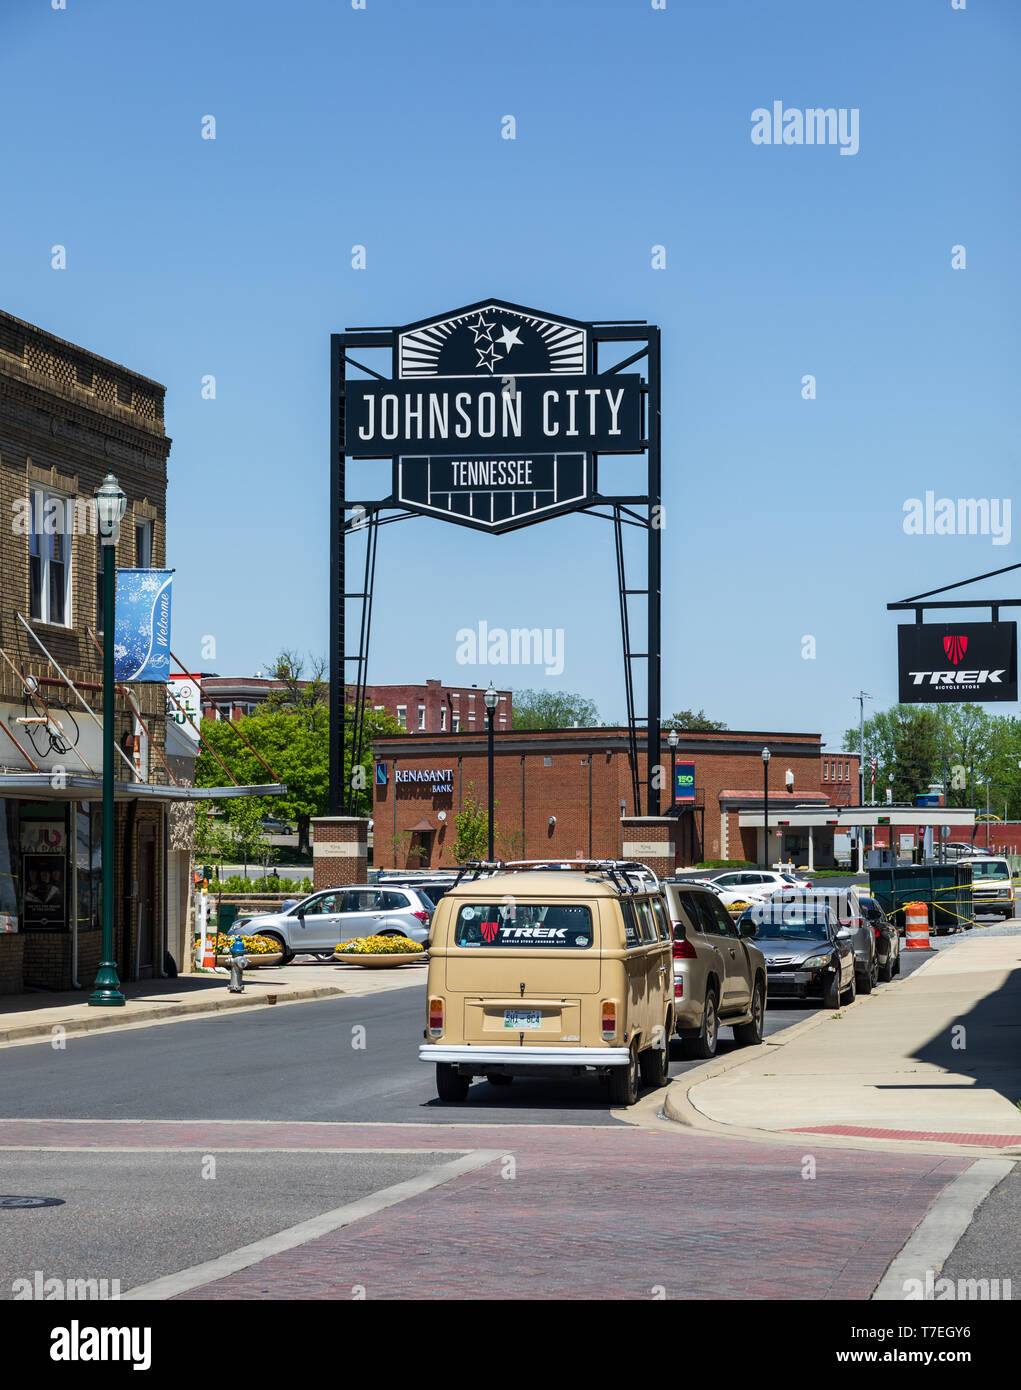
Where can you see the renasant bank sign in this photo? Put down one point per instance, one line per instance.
(495, 416)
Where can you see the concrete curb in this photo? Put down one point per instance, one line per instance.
(157, 1013)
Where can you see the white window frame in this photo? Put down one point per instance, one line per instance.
(144, 524)
(402, 716)
(421, 717)
(42, 540)
(443, 719)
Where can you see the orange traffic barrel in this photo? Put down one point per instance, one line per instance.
(916, 926)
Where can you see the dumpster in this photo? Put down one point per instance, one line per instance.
(944, 888)
(226, 916)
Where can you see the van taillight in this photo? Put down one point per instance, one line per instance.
(609, 1019)
(435, 1017)
(683, 950)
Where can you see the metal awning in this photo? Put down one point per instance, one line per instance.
(854, 817)
(39, 787)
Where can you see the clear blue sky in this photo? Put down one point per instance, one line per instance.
(382, 127)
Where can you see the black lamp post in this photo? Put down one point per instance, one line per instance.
(491, 699)
(110, 506)
(765, 808)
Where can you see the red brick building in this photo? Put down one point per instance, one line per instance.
(432, 708)
(563, 792)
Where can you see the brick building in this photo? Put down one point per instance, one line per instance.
(67, 418)
(430, 708)
(563, 792)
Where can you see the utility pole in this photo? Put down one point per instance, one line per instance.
(861, 697)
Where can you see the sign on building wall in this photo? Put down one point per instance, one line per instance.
(684, 784)
(943, 662)
(142, 630)
(439, 779)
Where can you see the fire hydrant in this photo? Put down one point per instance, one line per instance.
(238, 962)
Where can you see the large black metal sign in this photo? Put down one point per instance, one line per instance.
(943, 662)
(494, 417)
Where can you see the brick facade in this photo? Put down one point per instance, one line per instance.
(67, 418)
(542, 790)
(339, 851)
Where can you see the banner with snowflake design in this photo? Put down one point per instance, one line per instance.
(142, 629)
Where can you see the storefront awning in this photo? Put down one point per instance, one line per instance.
(39, 786)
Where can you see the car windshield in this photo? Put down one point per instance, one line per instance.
(790, 922)
(554, 925)
(993, 868)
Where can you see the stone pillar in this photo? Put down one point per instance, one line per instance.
(650, 839)
(340, 851)
(811, 851)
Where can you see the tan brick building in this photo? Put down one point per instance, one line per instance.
(563, 793)
(67, 418)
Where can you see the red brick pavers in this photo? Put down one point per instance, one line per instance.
(928, 1136)
(601, 1212)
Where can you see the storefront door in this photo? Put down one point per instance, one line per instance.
(148, 932)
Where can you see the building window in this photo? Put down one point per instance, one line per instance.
(143, 545)
(402, 716)
(421, 716)
(49, 560)
(443, 719)
(223, 711)
(457, 723)
(825, 769)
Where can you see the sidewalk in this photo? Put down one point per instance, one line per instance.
(932, 1059)
(28, 1016)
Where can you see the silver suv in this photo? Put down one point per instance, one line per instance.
(719, 972)
(851, 916)
(319, 922)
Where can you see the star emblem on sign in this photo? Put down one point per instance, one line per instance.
(487, 356)
(482, 329)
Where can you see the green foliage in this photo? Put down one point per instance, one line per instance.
(725, 864)
(472, 826)
(235, 883)
(697, 723)
(552, 709)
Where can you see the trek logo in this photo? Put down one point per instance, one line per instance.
(931, 657)
(489, 931)
(534, 933)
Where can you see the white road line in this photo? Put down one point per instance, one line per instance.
(197, 1275)
(943, 1226)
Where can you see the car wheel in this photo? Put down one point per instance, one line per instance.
(272, 936)
(450, 1084)
(831, 994)
(852, 989)
(886, 971)
(498, 1079)
(654, 1064)
(624, 1082)
(704, 1045)
(863, 983)
(750, 1034)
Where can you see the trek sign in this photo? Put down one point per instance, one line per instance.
(942, 662)
(494, 416)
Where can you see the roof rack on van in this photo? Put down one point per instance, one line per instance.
(475, 867)
(620, 872)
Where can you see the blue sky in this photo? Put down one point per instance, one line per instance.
(381, 127)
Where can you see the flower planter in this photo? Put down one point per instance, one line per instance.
(254, 962)
(376, 962)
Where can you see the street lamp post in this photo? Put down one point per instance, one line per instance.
(673, 740)
(110, 505)
(491, 699)
(765, 808)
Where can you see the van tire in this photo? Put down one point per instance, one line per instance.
(750, 1034)
(703, 1045)
(450, 1084)
(272, 936)
(654, 1064)
(624, 1083)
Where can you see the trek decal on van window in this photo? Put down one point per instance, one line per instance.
(559, 925)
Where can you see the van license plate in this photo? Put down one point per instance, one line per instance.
(522, 1018)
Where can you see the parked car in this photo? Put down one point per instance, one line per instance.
(755, 885)
(321, 921)
(719, 975)
(960, 849)
(271, 826)
(887, 938)
(807, 952)
(992, 885)
(539, 973)
(847, 908)
(434, 885)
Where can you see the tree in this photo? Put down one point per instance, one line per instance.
(552, 709)
(472, 826)
(698, 723)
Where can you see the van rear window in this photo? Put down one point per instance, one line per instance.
(559, 926)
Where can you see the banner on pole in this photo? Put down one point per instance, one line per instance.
(142, 629)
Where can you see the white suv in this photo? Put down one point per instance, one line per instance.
(756, 885)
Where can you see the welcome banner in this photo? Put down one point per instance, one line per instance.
(142, 629)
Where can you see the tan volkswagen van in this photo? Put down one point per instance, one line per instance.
(542, 972)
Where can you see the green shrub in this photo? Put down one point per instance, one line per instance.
(725, 864)
(271, 884)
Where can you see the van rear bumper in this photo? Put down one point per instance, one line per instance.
(481, 1057)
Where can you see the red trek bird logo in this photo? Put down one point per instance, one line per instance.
(488, 931)
(955, 647)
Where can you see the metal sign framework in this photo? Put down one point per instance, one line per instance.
(351, 515)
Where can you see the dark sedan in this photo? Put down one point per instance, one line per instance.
(887, 938)
(807, 954)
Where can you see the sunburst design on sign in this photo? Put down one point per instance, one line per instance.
(493, 340)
